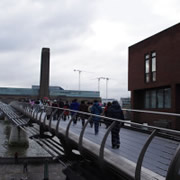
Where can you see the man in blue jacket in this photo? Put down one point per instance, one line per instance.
(74, 106)
(96, 109)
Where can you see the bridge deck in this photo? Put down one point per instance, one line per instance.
(157, 158)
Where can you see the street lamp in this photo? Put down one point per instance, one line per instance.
(99, 78)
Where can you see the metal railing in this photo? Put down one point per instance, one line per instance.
(135, 171)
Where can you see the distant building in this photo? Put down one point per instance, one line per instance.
(50, 87)
(107, 100)
(154, 77)
(44, 90)
(126, 103)
(55, 92)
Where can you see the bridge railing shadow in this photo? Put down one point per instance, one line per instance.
(76, 135)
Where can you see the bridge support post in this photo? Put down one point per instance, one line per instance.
(18, 137)
(41, 130)
(2, 117)
(46, 175)
(67, 147)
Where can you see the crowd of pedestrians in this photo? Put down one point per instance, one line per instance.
(64, 109)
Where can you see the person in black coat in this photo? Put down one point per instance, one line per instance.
(115, 112)
(84, 108)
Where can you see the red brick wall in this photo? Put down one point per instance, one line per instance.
(166, 44)
(167, 47)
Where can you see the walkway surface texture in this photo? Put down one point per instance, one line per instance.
(157, 158)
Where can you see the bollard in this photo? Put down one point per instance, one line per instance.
(46, 170)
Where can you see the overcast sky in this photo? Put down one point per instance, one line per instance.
(88, 35)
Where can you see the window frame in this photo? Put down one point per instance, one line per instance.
(147, 67)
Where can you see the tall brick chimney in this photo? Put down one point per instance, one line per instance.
(44, 76)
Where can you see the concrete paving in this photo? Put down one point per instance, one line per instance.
(35, 172)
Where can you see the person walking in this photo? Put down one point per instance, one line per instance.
(74, 106)
(96, 109)
(61, 106)
(106, 121)
(66, 112)
(55, 111)
(84, 108)
(115, 111)
(90, 104)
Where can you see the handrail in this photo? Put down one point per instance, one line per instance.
(173, 170)
(124, 121)
(82, 133)
(152, 112)
(141, 156)
(101, 151)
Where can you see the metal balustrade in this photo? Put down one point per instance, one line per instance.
(144, 145)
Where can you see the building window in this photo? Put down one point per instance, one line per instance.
(150, 67)
(157, 98)
(153, 66)
(147, 99)
(160, 98)
(147, 68)
(167, 98)
(153, 99)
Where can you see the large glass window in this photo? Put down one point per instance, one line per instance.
(147, 99)
(157, 98)
(153, 99)
(167, 98)
(160, 98)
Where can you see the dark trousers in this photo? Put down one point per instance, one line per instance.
(96, 125)
(115, 139)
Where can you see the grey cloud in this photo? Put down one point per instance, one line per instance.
(52, 22)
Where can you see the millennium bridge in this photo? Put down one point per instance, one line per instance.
(146, 152)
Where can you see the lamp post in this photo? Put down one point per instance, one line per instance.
(99, 78)
(107, 79)
(79, 71)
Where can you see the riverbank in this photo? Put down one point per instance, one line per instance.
(34, 150)
(20, 160)
(35, 171)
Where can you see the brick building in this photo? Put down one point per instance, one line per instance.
(154, 77)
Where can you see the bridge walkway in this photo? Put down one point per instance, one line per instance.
(156, 160)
